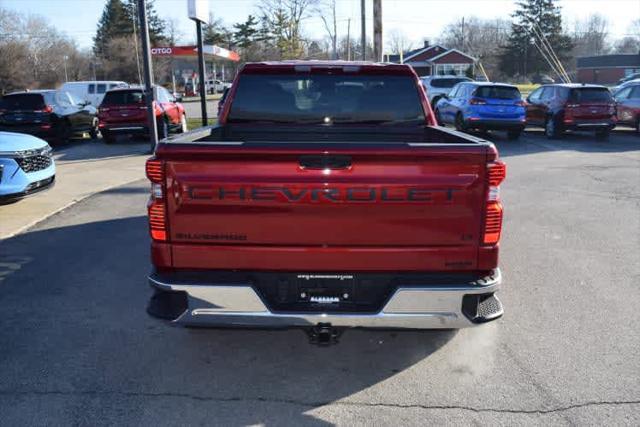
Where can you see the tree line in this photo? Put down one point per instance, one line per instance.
(35, 54)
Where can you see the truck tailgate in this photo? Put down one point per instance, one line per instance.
(378, 205)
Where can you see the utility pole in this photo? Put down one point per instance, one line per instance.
(148, 74)
(349, 40)
(203, 77)
(363, 31)
(377, 30)
(199, 11)
(66, 77)
(463, 35)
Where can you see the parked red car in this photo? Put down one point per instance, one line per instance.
(628, 106)
(123, 112)
(562, 107)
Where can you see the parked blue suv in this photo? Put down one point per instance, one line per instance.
(483, 106)
(26, 166)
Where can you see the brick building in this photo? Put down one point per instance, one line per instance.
(606, 69)
(436, 60)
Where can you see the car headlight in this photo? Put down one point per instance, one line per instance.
(46, 151)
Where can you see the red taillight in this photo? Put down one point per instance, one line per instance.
(492, 223)
(568, 112)
(496, 173)
(477, 101)
(157, 220)
(46, 109)
(154, 170)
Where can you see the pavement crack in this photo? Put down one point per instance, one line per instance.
(311, 404)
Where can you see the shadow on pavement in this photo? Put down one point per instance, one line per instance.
(534, 141)
(75, 337)
(96, 149)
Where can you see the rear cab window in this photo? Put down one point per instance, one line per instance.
(326, 99)
(498, 92)
(123, 97)
(590, 94)
(92, 88)
(22, 101)
(101, 88)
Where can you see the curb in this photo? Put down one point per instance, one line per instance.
(68, 205)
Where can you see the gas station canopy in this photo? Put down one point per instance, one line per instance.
(192, 50)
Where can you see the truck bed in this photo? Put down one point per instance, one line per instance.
(269, 198)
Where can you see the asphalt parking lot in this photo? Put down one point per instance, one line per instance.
(77, 348)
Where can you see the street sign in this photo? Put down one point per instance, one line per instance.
(199, 10)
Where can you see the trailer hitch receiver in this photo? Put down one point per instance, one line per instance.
(323, 334)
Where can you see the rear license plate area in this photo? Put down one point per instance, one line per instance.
(323, 292)
(325, 289)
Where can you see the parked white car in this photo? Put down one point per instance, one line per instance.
(91, 91)
(217, 86)
(436, 86)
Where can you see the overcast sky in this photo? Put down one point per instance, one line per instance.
(418, 19)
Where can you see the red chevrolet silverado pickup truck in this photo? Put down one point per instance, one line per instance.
(326, 198)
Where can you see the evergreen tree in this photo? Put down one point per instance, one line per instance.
(157, 26)
(115, 22)
(118, 19)
(247, 33)
(522, 55)
(214, 32)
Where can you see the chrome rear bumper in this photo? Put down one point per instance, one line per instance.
(431, 306)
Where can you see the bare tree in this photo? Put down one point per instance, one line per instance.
(173, 31)
(631, 42)
(326, 10)
(590, 36)
(34, 54)
(627, 45)
(479, 38)
(397, 41)
(282, 21)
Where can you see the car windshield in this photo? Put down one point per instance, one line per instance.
(448, 82)
(123, 97)
(326, 99)
(498, 92)
(23, 101)
(590, 95)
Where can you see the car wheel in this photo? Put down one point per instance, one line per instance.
(438, 118)
(514, 134)
(108, 138)
(163, 128)
(551, 128)
(434, 101)
(64, 132)
(183, 124)
(93, 132)
(603, 135)
(460, 123)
